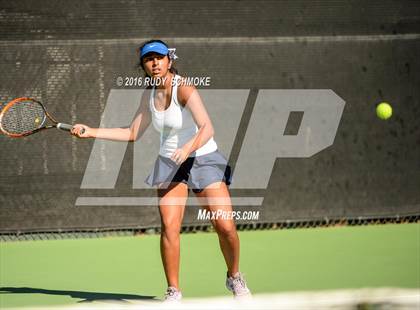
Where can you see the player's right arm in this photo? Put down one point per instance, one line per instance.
(131, 133)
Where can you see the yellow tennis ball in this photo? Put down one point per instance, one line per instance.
(37, 120)
(384, 110)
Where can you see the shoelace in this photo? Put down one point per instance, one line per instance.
(239, 281)
(170, 292)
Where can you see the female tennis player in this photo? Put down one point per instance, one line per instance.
(188, 158)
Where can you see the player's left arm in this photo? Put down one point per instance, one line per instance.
(190, 98)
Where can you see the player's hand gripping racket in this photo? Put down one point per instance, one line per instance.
(24, 116)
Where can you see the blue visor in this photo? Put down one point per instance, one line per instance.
(155, 47)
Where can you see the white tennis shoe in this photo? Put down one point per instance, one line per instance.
(172, 295)
(237, 285)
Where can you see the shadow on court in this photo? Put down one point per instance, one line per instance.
(85, 296)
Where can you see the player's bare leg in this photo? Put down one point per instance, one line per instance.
(216, 197)
(171, 207)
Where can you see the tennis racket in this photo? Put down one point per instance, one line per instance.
(24, 116)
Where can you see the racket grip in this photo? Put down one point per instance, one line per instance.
(67, 127)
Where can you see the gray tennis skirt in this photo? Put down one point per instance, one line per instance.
(197, 172)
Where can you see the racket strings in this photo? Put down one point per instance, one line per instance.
(22, 117)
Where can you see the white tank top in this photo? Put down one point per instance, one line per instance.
(176, 126)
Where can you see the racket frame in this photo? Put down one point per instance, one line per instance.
(55, 124)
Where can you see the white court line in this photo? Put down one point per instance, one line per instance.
(221, 40)
(389, 298)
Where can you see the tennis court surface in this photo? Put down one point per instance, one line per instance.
(335, 267)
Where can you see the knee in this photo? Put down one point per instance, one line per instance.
(170, 230)
(226, 230)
